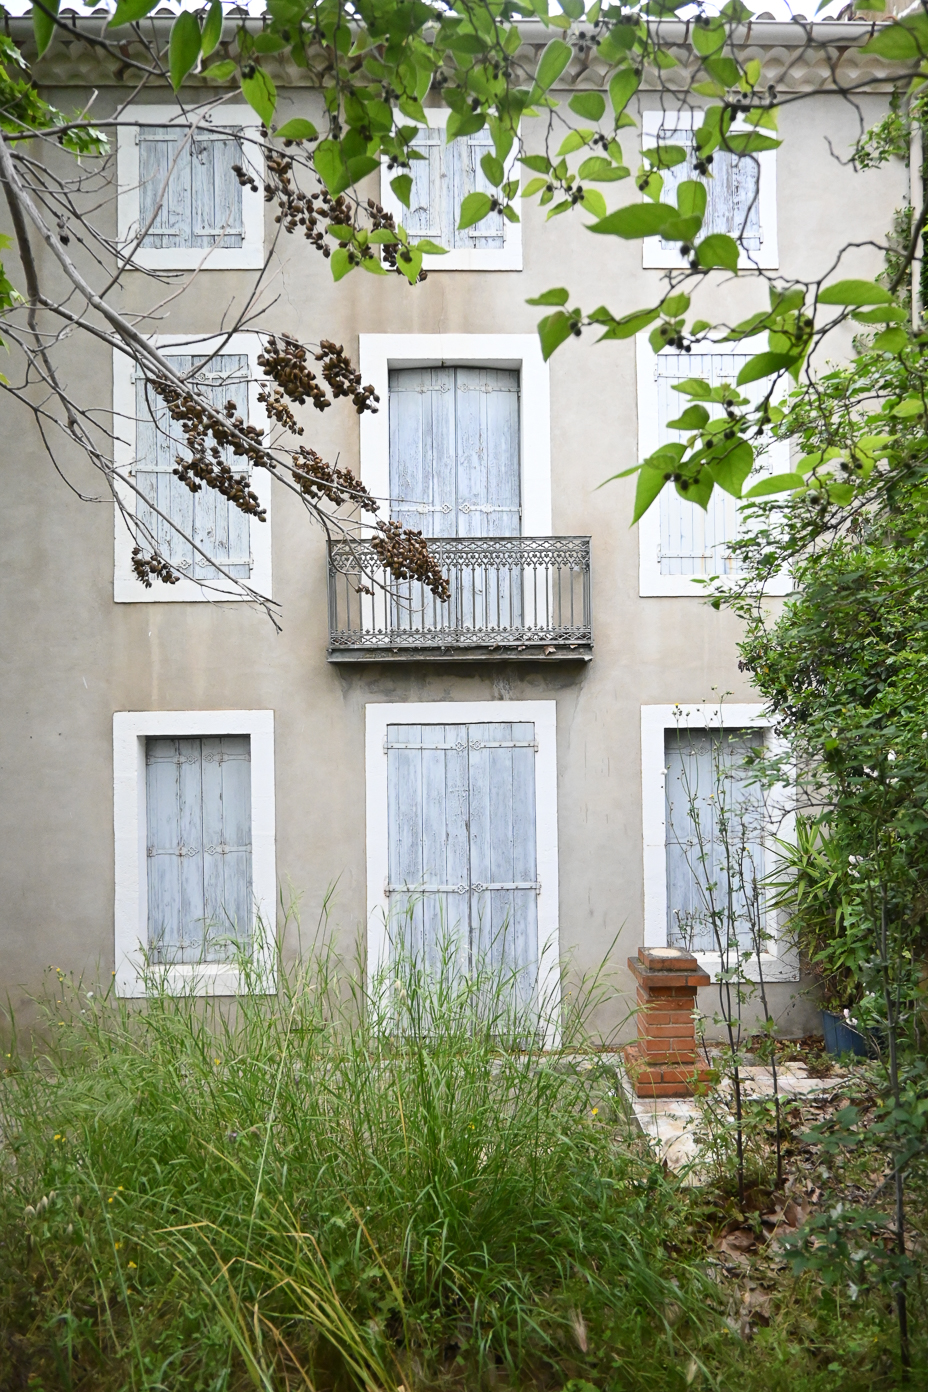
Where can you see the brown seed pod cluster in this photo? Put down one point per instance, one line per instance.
(317, 479)
(343, 378)
(381, 218)
(206, 464)
(295, 209)
(405, 554)
(285, 361)
(153, 567)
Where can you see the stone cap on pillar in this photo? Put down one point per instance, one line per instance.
(667, 966)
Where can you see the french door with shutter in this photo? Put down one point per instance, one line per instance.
(455, 471)
(462, 848)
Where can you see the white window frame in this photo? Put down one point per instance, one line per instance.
(127, 589)
(543, 715)
(378, 353)
(249, 256)
(780, 962)
(507, 258)
(650, 580)
(131, 729)
(767, 257)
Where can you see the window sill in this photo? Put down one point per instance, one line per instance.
(197, 979)
(774, 968)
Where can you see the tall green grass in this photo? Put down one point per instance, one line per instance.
(325, 1188)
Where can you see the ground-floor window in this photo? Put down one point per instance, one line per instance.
(462, 837)
(195, 858)
(708, 834)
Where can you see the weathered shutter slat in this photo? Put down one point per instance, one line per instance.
(698, 763)
(423, 218)
(171, 226)
(504, 922)
(462, 158)
(216, 194)
(488, 487)
(732, 204)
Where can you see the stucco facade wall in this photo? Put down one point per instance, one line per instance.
(72, 657)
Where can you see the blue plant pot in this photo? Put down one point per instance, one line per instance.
(842, 1038)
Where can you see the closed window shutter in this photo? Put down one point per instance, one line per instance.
(198, 798)
(423, 484)
(462, 845)
(212, 521)
(714, 837)
(441, 182)
(694, 541)
(464, 156)
(732, 191)
(201, 202)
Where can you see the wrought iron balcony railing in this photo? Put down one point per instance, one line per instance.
(511, 597)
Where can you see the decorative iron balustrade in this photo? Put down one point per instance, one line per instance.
(512, 597)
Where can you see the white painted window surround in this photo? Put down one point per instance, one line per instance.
(542, 716)
(129, 590)
(659, 255)
(378, 353)
(438, 183)
(131, 730)
(672, 523)
(249, 255)
(779, 962)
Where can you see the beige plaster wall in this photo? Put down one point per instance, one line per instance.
(72, 657)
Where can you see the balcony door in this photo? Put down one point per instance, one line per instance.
(462, 847)
(455, 472)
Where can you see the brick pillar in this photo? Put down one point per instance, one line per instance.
(663, 1062)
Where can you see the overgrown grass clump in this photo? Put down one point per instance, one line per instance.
(327, 1190)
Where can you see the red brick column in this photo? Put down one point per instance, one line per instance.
(663, 1062)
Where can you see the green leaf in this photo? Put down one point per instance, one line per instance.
(531, 188)
(402, 188)
(43, 25)
(590, 105)
(601, 171)
(636, 220)
(650, 483)
(883, 314)
(594, 203)
(693, 418)
(718, 250)
(373, 266)
(382, 237)
(212, 29)
(130, 12)
(560, 296)
(896, 42)
(629, 324)
(694, 387)
(297, 129)
(680, 229)
(891, 341)
(340, 232)
(184, 48)
(732, 466)
(221, 72)
(622, 88)
(764, 365)
(574, 141)
(261, 95)
(409, 261)
(552, 331)
(552, 63)
(266, 42)
(725, 71)
(473, 209)
(361, 166)
(749, 143)
(708, 39)
(463, 125)
(539, 164)
(691, 198)
(912, 406)
(430, 248)
(614, 47)
(776, 483)
(665, 156)
(572, 8)
(855, 292)
(493, 169)
(340, 262)
(675, 305)
(329, 165)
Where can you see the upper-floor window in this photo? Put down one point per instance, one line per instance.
(204, 536)
(679, 541)
(741, 198)
(441, 180)
(179, 196)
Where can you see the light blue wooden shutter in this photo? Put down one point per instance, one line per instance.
(427, 831)
(462, 158)
(486, 405)
(503, 864)
(215, 524)
(198, 803)
(693, 541)
(202, 202)
(462, 846)
(714, 836)
(423, 218)
(732, 201)
(423, 489)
